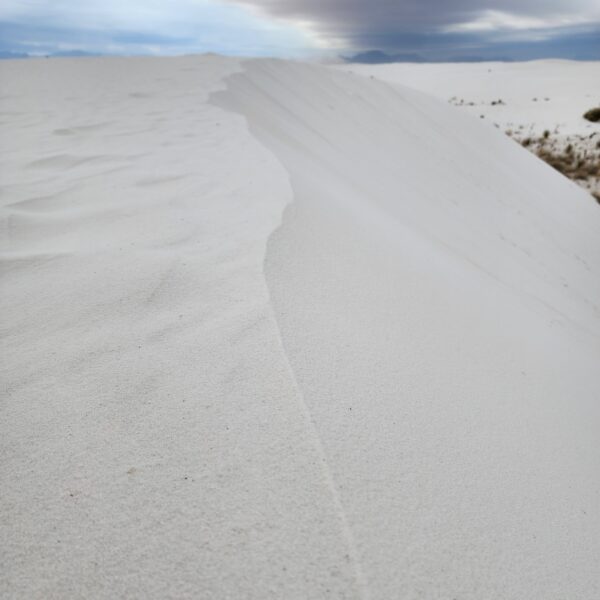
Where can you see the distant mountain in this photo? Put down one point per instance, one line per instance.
(376, 57)
(72, 53)
(7, 54)
(471, 59)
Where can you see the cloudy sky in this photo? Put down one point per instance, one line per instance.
(434, 29)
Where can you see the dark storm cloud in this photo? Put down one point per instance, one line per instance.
(573, 44)
(389, 24)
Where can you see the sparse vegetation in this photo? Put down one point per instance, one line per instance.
(577, 160)
(574, 166)
(592, 115)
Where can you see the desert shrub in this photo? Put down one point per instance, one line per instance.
(592, 115)
(579, 164)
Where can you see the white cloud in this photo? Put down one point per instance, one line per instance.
(200, 25)
(494, 20)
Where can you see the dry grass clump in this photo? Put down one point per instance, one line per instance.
(592, 115)
(573, 165)
(576, 158)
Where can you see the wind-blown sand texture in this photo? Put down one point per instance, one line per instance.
(273, 330)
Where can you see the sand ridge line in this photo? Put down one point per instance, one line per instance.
(218, 98)
(353, 554)
(361, 580)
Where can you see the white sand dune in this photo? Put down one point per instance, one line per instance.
(274, 330)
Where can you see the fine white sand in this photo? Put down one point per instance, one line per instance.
(274, 330)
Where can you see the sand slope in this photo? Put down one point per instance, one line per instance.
(277, 331)
(438, 301)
